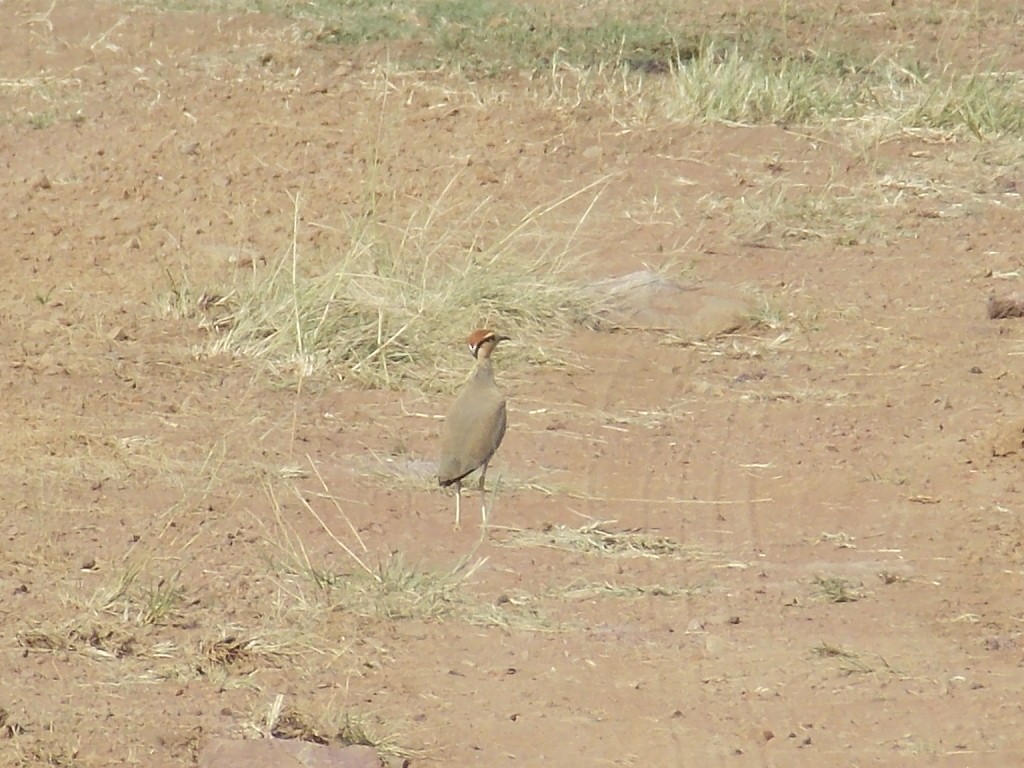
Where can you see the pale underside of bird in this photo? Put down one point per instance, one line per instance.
(475, 424)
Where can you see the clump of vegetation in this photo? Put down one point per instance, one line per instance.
(489, 37)
(835, 590)
(380, 313)
(758, 85)
(335, 726)
(596, 538)
(849, 663)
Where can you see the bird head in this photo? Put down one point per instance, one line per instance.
(482, 342)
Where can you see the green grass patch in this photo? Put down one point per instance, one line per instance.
(759, 85)
(487, 37)
(490, 36)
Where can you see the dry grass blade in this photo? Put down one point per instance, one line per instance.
(595, 538)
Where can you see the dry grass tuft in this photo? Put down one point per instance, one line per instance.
(516, 610)
(835, 590)
(397, 591)
(140, 598)
(378, 313)
(883, 97)
(240, 650)
(591, 590)
(850, 663)
(594, 538)
(96, 640)
(341, 728)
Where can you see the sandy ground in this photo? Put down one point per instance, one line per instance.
(159, 567)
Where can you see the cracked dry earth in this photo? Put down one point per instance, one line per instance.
(827, 507)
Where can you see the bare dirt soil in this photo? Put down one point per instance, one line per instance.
(814, 550)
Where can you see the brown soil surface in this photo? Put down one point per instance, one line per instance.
(868, 431)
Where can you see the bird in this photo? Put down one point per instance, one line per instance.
(475, 424)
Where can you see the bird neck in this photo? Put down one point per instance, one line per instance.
(483, 369)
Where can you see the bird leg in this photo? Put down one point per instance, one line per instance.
(458, 503)
(483, 496)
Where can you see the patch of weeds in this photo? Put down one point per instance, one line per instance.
(393, 590)
(840, 539)
(778, 212)
(835, 590)
(183, 301)
(353, 22)
(237, 651)
(397, 591)
(766, 315)
(93, 640)
(160, 601)
(379, 314)
(41, 120)
(594, 538)
(591, 590)
(488, 37)
(849, 662)
(760, 86)
(757, 85)
(343, 727)
(512, 611)
(138, 602)
(43, 296)
(42, 751)
(985, 103)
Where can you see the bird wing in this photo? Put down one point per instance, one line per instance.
(472, 433)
